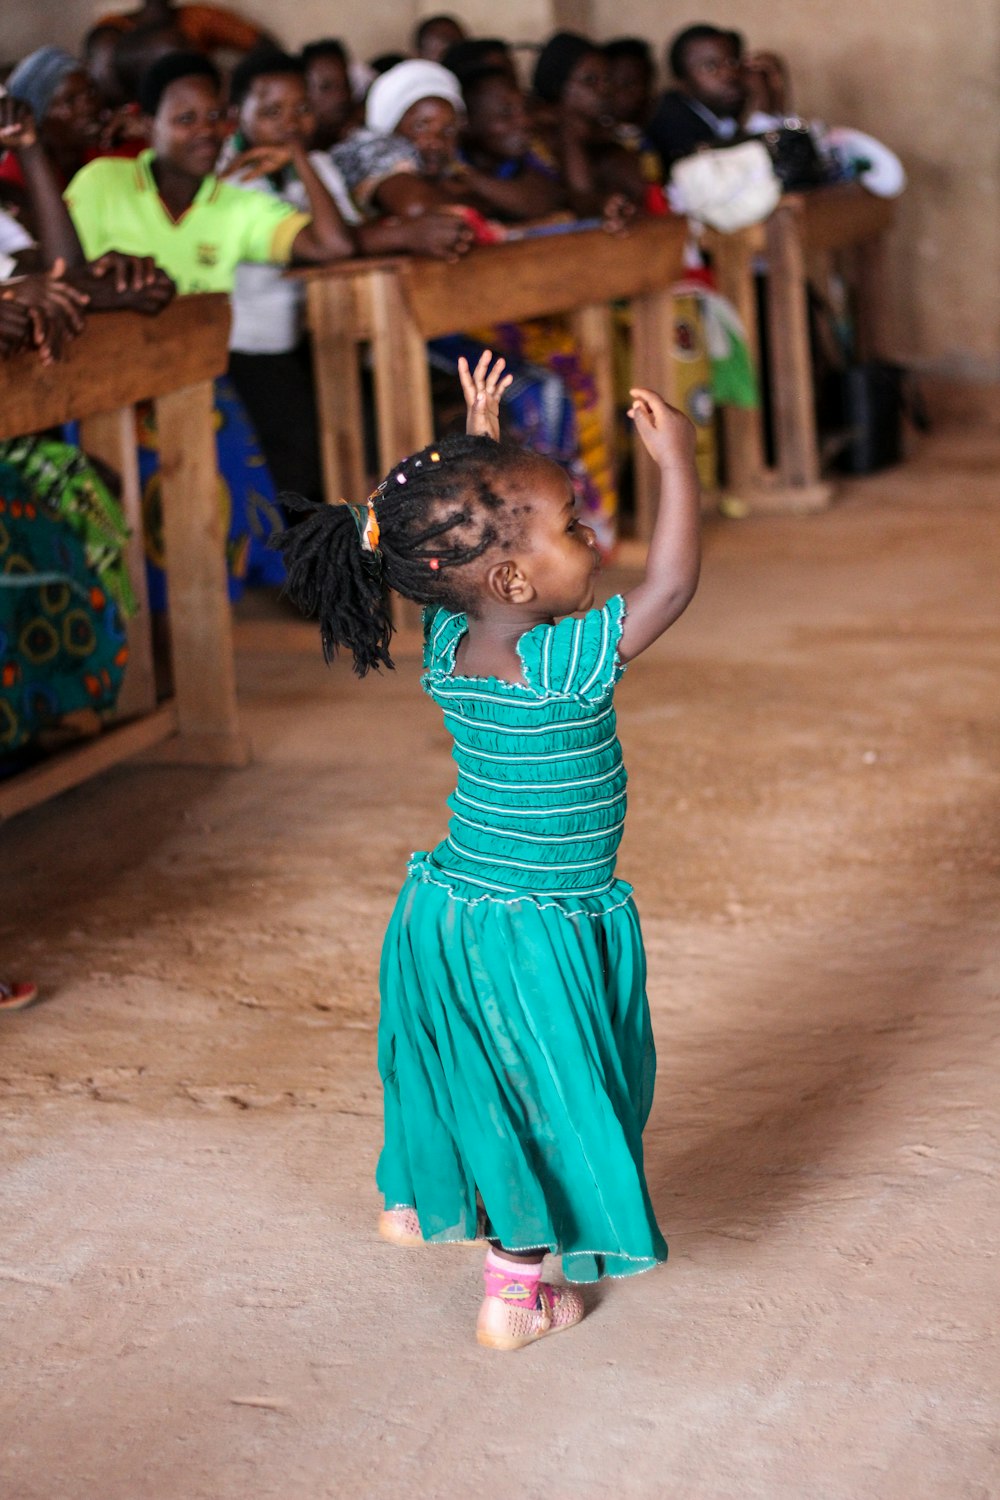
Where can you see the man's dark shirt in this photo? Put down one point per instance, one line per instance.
(680, 126)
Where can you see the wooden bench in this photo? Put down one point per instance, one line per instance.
(397, 304)
(120, 359)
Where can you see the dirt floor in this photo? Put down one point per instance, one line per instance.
(195, 1306)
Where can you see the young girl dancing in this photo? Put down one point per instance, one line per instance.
(515, 1045)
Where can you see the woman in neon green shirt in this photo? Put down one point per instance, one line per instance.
(168, 204)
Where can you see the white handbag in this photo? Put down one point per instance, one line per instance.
(727, 189)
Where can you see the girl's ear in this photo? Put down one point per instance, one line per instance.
(506, 583)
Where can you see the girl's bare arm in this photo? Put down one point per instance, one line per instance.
(674, 558)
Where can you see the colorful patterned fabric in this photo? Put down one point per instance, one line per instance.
(62, 639)
(69, 487)
(248, 503)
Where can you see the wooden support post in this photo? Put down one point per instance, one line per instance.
(110, 438)
(873, 334)
(746, 463)
(652, 366)
(330, 302)
(199, 613)
(593, 329)
(402, 393)
(402, 374)
(788, 322)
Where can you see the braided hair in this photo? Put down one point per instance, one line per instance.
(437, 511)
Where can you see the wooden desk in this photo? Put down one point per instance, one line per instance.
(397, 304)
(122, 358)
(803, 233)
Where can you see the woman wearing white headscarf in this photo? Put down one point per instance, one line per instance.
(409, 144)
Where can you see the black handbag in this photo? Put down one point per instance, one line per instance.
(794, 157)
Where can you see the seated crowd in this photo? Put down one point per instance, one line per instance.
(184, 150)
(155, 147)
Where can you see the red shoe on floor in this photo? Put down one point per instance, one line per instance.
(17, 996)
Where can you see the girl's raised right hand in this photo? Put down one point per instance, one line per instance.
(482, 389)
(668, 436)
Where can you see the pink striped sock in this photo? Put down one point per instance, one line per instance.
(513, 1280)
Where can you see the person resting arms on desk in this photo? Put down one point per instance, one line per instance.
(66, 109)
(269, 360)
(571, 80)
(65, 647)
(60, 285)
(500, 172)
(401, 161)
(169, 204)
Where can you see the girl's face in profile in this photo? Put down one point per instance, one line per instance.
(560, 553)
(431, 125)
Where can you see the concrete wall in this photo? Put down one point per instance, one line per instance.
(921, 75)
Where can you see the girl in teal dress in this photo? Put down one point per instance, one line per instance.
(515, 1045)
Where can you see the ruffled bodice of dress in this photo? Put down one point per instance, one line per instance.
(539, 803)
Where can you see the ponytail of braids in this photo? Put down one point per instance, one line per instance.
(437, 511)
(331, 579)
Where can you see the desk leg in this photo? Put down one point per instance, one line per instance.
(402, 374)
(593, 330)
(110, 437)
(794, 409)
(652, 366)
(330, 310)
(874, 337)
(402, 393)
(746, 462)
(201, 631)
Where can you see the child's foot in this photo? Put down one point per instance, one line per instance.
(400, 1226)
(511, 1325)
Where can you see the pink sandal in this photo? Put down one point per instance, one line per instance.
(511, 1325)
(400, 1226)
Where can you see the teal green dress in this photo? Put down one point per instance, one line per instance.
(515, 1045)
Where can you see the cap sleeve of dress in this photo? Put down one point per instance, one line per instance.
(578, 657)
(442, 630)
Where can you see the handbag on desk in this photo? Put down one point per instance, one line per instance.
(728, 188)
(796, 161)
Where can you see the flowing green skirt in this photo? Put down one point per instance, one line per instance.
(517, 1061)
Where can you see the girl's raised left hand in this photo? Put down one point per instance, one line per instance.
(668, 435)
(482, 389)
